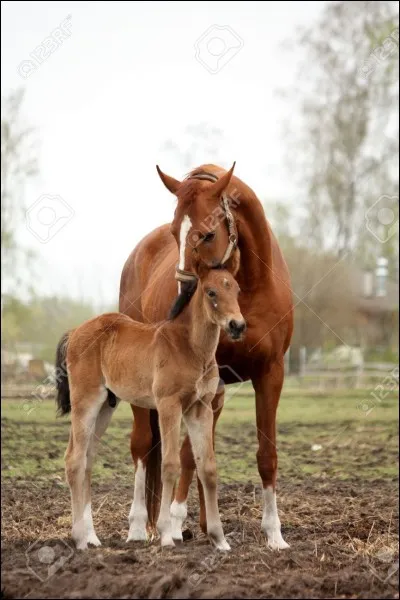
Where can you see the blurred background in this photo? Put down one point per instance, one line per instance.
(303, 96)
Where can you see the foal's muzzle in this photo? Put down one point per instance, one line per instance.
(236, 329)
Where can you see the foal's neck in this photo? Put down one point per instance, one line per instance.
(203, 334)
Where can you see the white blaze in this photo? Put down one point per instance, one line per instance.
(185, 228)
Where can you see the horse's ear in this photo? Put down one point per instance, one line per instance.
(170, 183)
(220, 185)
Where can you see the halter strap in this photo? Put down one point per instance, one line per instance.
(182, 275)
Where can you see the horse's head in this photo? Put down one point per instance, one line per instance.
(203, 223)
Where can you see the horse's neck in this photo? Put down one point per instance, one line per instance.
(203, 335)
(255, 244)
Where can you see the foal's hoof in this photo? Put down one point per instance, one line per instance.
(167, 542)
(81, 545)
(222, 545)
(93, 540)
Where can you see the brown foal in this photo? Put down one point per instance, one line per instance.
(170, 367)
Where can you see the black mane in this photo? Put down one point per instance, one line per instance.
(188, 288)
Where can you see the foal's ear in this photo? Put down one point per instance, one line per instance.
(233, 263)
(220, 185)
(199, 267)
(170, 183)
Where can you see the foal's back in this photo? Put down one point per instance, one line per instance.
(111, 350)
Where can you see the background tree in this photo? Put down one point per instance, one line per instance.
(348, 105)
(19, 165)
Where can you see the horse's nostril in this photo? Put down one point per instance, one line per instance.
(237, 326)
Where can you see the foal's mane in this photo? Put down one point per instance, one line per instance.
(188, 289)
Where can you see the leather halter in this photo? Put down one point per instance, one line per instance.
(185, 276)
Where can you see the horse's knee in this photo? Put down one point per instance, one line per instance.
(267, 467)
(208, 473)
(75, 464)
(170, 469)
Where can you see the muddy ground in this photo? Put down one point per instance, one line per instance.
(338, 507)
(342, 538)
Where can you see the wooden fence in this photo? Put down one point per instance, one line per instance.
(315, 379)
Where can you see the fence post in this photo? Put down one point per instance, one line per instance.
(303, 358)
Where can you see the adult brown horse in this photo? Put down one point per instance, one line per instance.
(219, 217)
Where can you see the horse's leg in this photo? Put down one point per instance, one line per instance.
(188, 465)
(102, 422)
(141, 440)
(268, 389)
(199, 421)
(83, 419)
(170, 415)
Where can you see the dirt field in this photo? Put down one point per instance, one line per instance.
(338, 502)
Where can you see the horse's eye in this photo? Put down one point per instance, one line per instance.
(209, 236)
(211, 294)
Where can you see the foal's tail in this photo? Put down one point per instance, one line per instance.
(63, 399)
(153, 471)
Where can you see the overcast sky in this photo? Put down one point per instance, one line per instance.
(107, 83)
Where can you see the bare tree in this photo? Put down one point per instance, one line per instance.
(18, 165)
(348, 144)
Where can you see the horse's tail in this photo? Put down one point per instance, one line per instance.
(63, 399)
(153, 471)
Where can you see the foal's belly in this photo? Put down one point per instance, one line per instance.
(136, 399)
(142, 402)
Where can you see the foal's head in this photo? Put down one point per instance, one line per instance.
(200, 221)
(220, 291)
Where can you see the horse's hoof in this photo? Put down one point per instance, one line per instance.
(277, 542)
(282, 545)
(137, 535)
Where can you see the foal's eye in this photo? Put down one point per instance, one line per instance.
(211, 294)
(209, 236)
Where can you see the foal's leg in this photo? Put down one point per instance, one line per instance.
(102, 422)
(188, 465)
(141, 441)
(199, 421)
(84, 414)
(170, 415)
(268, 389)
